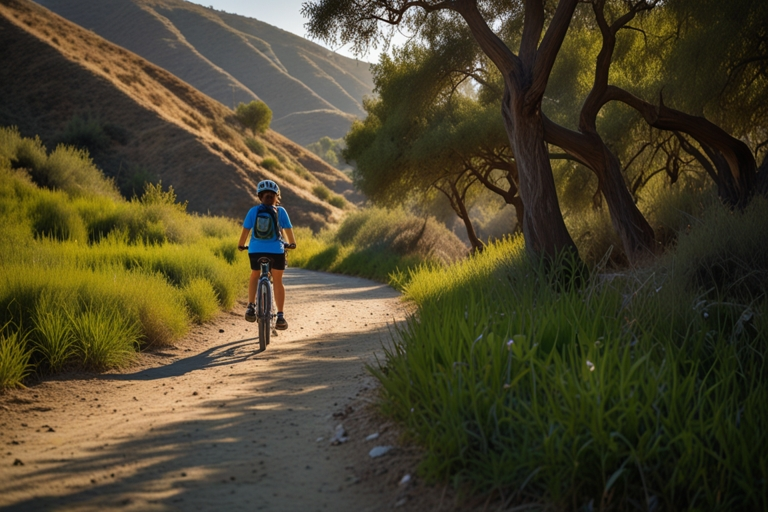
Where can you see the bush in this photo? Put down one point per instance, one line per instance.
(52, 336)
(89, 276)
(378, 244)
(105, 338)
(256, 116)
(256, 146)
(54, 217)
(271, 164)
(321, 192)
(85, 132)
(337, 201)
(201, 300)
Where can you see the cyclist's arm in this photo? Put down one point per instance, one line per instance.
(288, 232)
(244, 237)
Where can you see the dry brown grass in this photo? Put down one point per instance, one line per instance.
(54, 70)
(311, 91)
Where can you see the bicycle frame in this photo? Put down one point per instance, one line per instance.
(265, 310)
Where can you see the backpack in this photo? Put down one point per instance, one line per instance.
(266, 226)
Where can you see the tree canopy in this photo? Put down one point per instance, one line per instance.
(601, 79)
(256, 116)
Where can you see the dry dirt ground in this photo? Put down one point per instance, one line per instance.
(213, 424)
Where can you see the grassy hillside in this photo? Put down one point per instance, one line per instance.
(86, 277)
(232, 58)
(67, 84)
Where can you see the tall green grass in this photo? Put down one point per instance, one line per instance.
(87, 278)
(378, 244)
(644, 390)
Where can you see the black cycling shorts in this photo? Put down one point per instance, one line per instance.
(276, 261)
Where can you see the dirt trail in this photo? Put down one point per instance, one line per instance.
(215, 425)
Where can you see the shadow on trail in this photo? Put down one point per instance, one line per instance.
(227, 354)
(222, 458)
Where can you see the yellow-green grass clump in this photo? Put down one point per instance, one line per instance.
(86, 277)
(378, 244)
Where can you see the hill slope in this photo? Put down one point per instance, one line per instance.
(312, 91)
(53, 71)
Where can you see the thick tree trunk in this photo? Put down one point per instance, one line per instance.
(525, 80)
(542, 222)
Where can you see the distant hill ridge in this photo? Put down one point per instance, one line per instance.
(52, 71)
(312, 91)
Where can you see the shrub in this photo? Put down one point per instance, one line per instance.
(85, 132)
(55, 218)
(337, 201)
(378, 244)
(27, 154)
(271, 164)
(256, 116)
(52, 336)
(256, 146)
(321, 192)
(105, 338)
(201, 300)
(134, 180)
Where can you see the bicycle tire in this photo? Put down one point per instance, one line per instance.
(264, 313)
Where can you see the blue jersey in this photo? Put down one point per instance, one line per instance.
(274, 246)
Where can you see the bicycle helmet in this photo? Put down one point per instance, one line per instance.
(267, 186)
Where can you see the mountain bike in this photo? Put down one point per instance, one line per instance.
(266, 310)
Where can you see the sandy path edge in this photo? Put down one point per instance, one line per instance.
(212, 424)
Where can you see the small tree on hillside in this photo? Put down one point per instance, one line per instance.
(255, 116)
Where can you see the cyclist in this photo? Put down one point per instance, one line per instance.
(262, 244)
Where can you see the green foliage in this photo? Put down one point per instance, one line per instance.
(625, 389)
(329, 150)
(256, 146)
(105, 338)
(271, 164)
(201, 300)
(724, 253)
(66, 168)
(90, 276)
(324, 194)
(52, 336)
(14, 358)
(134, 180)
(377, 244)
(85, 132)
(154, 194)
(256, 116)
(52, 216)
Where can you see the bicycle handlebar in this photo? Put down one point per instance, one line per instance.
(285, 246)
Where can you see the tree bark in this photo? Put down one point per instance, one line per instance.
(525, 81)
(636, 234)
(456, 199)
(735, 164)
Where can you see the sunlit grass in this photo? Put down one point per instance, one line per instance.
(644, 389)
(378, 244)
(87, 278)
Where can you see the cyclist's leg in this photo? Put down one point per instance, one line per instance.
(252, 282)
(277, 282)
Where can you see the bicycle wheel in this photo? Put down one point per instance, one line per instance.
(264, 312)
